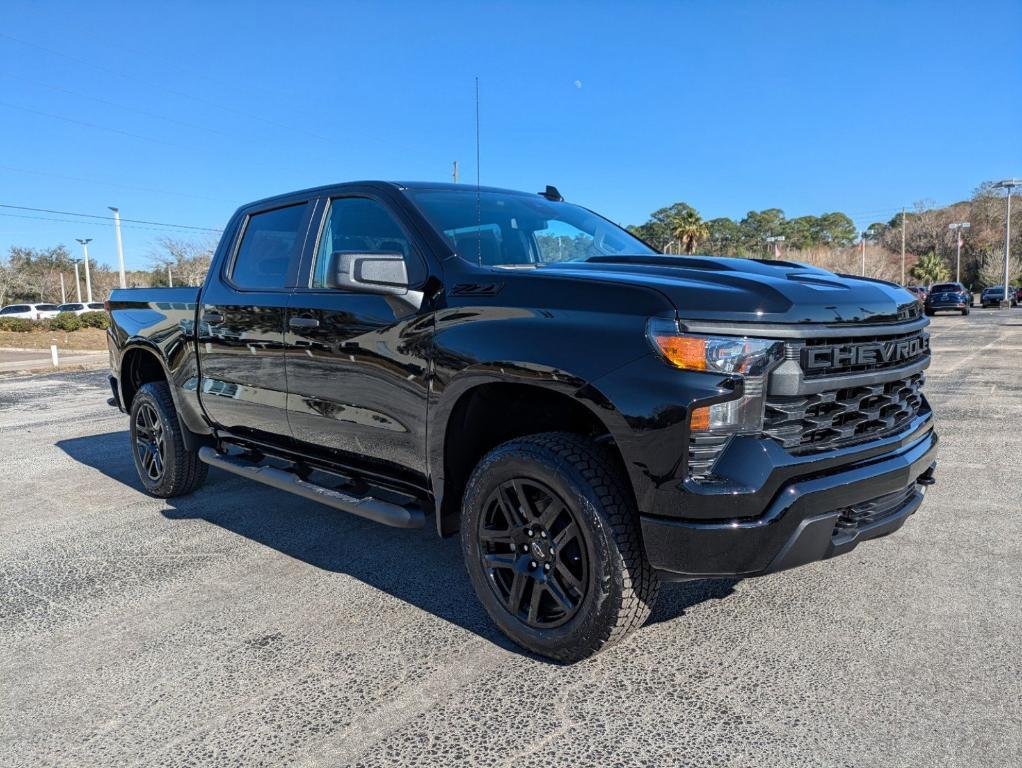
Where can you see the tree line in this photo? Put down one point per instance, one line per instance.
(831, 241)
(33, 275)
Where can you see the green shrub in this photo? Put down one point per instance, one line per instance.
(65, 321)
(17, 324)
(94, 320)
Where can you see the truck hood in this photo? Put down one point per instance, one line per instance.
(752, 290)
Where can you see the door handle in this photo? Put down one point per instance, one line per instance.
(212, 318)
(303, 322)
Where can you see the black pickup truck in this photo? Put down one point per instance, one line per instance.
(594, 417)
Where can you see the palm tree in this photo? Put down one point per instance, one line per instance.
(687, 227)
(930, 269)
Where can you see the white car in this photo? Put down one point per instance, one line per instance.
(30, 311)
(81, 308)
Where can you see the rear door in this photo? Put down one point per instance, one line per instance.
(358, 361)
(241, 323)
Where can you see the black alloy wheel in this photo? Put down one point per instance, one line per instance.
(532, 552)
(552, 545)
(149, 442)
(164, 464)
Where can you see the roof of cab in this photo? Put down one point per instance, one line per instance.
(398, 185)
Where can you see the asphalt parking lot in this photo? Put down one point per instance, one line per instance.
(244, 626)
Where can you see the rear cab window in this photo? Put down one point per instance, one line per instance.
(267, 255)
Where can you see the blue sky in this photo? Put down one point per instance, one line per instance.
(181, 112)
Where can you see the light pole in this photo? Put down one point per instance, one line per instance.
(1007, 184)
(78, 285)
(958, 226)
(88, 279)
(120, 250)
(863, 241)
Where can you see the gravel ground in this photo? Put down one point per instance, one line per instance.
(243, 626)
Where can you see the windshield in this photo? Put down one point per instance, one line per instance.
(507, 229)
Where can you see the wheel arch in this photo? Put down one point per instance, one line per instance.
(508, 406)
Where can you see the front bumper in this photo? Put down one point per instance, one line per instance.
(810, 517)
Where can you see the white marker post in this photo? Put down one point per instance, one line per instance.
(53, 353)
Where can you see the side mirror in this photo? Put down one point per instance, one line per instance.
(369, 272)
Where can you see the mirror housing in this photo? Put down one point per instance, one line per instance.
(384, 273)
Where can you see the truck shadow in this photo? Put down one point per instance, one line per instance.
(414, 566)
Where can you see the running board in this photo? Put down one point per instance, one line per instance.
(374, 509)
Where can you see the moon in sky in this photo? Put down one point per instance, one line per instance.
(578, 83)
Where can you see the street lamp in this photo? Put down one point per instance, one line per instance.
(120, 250)
(958, 226)
(88, 280)
(1007, 184)
(78, 285)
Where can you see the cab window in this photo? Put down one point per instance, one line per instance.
(268, 249)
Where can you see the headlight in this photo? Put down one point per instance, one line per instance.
(740, 357)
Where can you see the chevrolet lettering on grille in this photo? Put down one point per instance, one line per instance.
(869, 353)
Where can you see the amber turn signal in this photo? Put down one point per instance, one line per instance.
(687, 352)
(700, 420)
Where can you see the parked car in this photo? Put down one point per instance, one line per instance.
(994, 295)
(945, 297)
(81, 309)
(46, 311)
(594, 417)
(918, 291)
(30, 311)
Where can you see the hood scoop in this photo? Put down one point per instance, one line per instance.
(817, 280)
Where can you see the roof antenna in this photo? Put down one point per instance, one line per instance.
(479, 215)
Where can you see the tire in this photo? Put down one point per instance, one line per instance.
(965, 312)
(165, 467)
(600, 567)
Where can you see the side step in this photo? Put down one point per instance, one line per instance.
(379, 511)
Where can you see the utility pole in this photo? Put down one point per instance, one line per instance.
(958, 226)
(120, 250)
(455, 171)
(903, 245)
(170, 278)
(1007, 184)
(63, 293)
(78, 285)
(863, 241)
(88, 280)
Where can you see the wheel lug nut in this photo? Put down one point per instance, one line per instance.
(525, 547)
(546, 567)
(529, 533)
(542, 534)
(532, 563)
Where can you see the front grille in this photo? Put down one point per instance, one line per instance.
(875, 510)
(841, 417)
